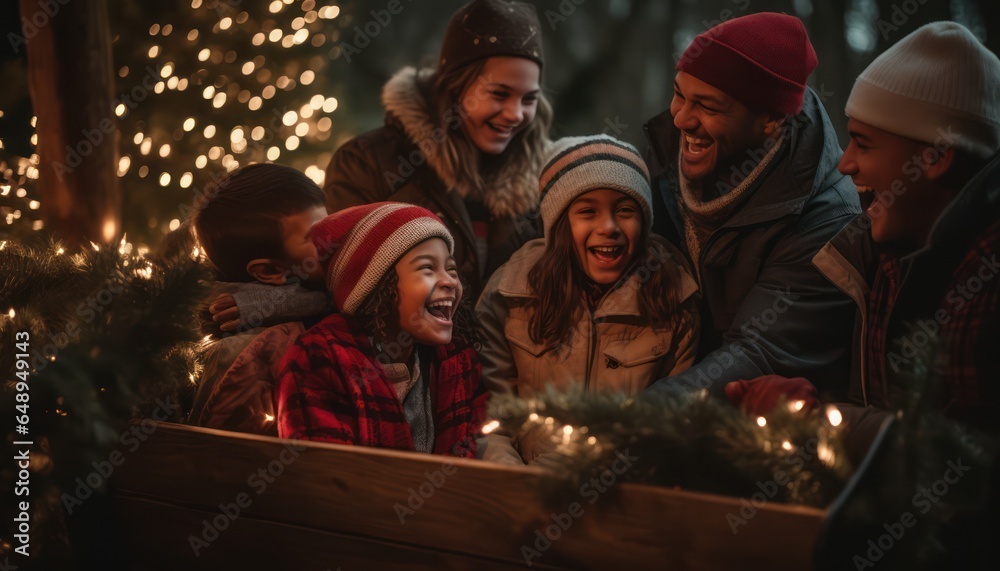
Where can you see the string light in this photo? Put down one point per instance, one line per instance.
(834, 416)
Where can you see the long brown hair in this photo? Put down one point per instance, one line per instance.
(527, 146)
(556, 281)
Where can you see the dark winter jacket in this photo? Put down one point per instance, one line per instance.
(766, 309)
(947, 307)
(333, 389)
(411, 160)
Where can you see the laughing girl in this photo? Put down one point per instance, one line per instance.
(392, 369)
(598, 301)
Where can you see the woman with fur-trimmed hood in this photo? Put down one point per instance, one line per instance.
(465, 140)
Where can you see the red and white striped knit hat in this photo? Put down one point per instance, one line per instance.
(358, 245)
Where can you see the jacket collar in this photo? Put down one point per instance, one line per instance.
(805, 166)
(619, 301)
(512, 191)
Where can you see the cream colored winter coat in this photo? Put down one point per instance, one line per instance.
(613, 348)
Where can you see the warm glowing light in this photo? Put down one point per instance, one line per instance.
(289, 118)
(123, 164)
(209, 92)
(834, 416)
(255, 103)
(275, 7)
(174, 224)
(248, 68)
(796, 405)
(120, 109)
(292, 143)
(167, 70)
(34, 204)
(225, 23)
(761, 421)
(147, 145)
(490, 426)
(201, 162)
(220, 100)
(186, 180)
(275, 35)
(204, 54)
(307, 77)
(189, 123)
(268, 417)
(209, 131)
(330, 105)
(110, 229)
(786, 445)
(273, 153)
(302, 129)
(154, 51)
(164, 179)
(165, 150)
(138, 138)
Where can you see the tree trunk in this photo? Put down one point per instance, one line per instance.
(72, 84)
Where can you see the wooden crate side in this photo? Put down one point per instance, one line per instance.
(475, 508)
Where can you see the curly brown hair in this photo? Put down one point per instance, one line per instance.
(379, 314)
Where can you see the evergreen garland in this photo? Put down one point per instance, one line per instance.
(684, 440)
(113, 336)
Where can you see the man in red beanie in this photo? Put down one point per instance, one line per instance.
(746, 184)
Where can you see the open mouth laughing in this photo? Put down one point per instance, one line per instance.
(441, 309)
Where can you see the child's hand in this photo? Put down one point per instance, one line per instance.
(225, 313)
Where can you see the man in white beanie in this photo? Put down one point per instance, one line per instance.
(924, 124)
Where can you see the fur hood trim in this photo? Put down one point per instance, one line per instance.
(512, 191)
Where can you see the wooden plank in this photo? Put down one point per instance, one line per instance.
(478, 509)
(250, 543)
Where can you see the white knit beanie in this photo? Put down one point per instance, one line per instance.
(577, 165)
(939, 84)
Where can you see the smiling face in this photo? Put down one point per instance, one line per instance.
(429, 292)
(606, 226)
(500, 102)
(895, 176)
(716, 130)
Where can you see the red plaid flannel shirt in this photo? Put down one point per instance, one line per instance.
(968, 317)
(332, 389)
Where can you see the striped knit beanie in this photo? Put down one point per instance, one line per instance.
(761, 60)
(578, 165)
(359, 245)
(937, 84)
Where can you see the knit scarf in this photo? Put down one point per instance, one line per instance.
(702, 218)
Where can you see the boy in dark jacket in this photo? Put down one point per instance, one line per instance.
(254, 227)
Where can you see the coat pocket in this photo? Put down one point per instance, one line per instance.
(632, 365)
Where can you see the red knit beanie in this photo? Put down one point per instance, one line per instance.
(761, 60)
(358, 245)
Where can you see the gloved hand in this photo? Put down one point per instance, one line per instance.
(759, 396)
